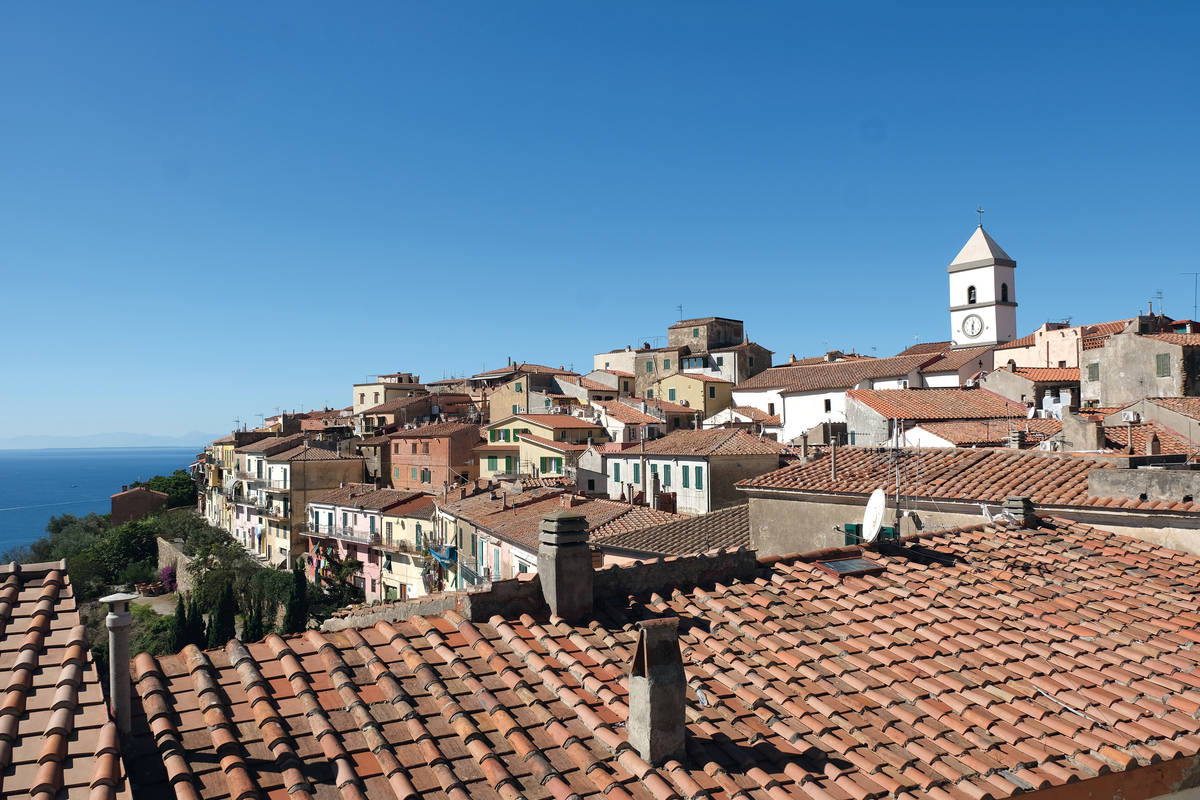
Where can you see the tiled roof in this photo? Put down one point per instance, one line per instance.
(954, 360)
(667, 407)
(1025, 341)
(524, 367)
(56, 739)
(1181, 339)
(140, 490)
(363, 495)
(520, 522)
(1049, 374)
(625, 413)
(616, 447)
(556, 421)
(834, 374)
(992, 432)
(926, 348)
(1040, 657)
(1106, 328)
(1094, 412)
(712, 442)
(635, 519)
(700, 376)
(728, 528)
(1187, 406)
(309, 454)
(496, 447)
(562, 447)
(1117, 437)
(685, 323)
(268, 442)
(225, 440)
(945, 404)
(756, 414)
(950, 473)
(422, 506)
(618, 373)
(595, 386)
(397, 404)
(431, 431)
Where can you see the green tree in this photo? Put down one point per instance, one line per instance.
(179, 486)
(180, 640)
(151, 633)
(296, 618)
(222, 619)
(195, 622)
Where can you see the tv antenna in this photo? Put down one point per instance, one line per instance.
(680, 308)
(1195, 288)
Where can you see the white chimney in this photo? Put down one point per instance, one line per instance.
(119, 620)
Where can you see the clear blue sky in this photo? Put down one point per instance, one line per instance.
(210, 211)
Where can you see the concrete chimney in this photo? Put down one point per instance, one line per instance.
(1016, 439)
(804, 447)
(657, 693)
(565, 565)
(833, 461)
(119, 620)
(1021, 508)
(1153, 446)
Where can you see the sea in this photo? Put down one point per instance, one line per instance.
(38, 484)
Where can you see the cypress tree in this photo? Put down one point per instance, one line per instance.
(252, 624)
(295, 620)
(195, 622)
(179, 638)
(222, 620)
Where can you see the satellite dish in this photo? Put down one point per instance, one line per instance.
(873, 517)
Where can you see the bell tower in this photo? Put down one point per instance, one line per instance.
(983, 293)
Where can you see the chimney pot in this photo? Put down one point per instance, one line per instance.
(1021, 508)
(657, 693)
(118, 622)
(565, 565)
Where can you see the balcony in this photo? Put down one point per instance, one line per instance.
(344, 533)
(400, 546)
(277, 485)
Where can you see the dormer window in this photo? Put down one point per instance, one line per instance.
(970, 295)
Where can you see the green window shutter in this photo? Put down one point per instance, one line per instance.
(699, 478)
(558, 464)
(720, 361)
(491, 462)
(637, 472)
(542, 463)
(518, 387)
(1162, 365)
(395, 472)
(683, 473)
(514, 408)
(649, 394)
(414, 473)
(491, 435)
(617, 471)
(649, 366)
(666, 474)
(853, 531)
(653, 469)
(671, 395)
(666, 363)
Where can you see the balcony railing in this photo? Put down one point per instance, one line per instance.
(400, 546)
(343, 532)
(275, 485)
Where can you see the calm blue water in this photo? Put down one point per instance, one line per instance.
(38, 484)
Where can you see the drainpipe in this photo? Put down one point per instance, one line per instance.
(119, 620)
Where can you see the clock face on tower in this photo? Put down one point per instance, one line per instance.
(972, 325)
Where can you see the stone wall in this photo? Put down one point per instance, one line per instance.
(170, 554)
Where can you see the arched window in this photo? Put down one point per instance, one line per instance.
(970, 295)
(1004, 293)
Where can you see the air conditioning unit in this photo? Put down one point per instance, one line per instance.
(1130, 416)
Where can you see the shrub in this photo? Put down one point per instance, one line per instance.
(167, 576)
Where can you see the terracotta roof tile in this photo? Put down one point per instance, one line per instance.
(833, 375)
(971, 679)
(1182, 339)
(624, 413)
(1049, 374)
(562, 447)
(435, 430)
(712, 442)
(364, 495)
(53, 716)
(555, 421)
(954, 360)
(727, 529)
(1049, 479)
(937, 404)
(1187, 406)
(1117, 437)
(992, 432)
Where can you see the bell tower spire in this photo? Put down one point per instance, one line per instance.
(983, 292)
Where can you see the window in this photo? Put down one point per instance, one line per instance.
(424, 448)
(414, 473)
(418, 535)
(514, 408)
(666, 363)
(1093, 372)
(1162, 365)
(492, 462)
(683, 473)
(558, 464)
(518, 386)
(414, 448)
(345, 519)
(970, 295)
(395, 472)
(695, 333)
(720, 361)
(1062, 364)
(496, 572)
(362, 397)
(828, 404)
(649, 366)
(654, 469)
(626, 385)
(671, 395)
(617, 472)
(377, 398)
(699, 479)
(637, 472)
(771, 409)
(649, 394)
(425, 476)
(387, 528)
(1004, 293)
(666, 474)
(751, 361)
(372, 521)
(591, 484)
(712, 393)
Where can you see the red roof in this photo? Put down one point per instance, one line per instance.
(556, 421)
(1039, 657)
(626, 414)
(1181, 339)
(992, 432)
(562, 447)
(951, 473)
(931, 404)
(56, 739)
(712, 442)
(834, 375)
(700, 376)
(1049, 374)
(954, 360)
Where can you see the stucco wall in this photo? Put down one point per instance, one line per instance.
(1128, 370)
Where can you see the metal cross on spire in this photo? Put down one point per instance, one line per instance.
(979, 211)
